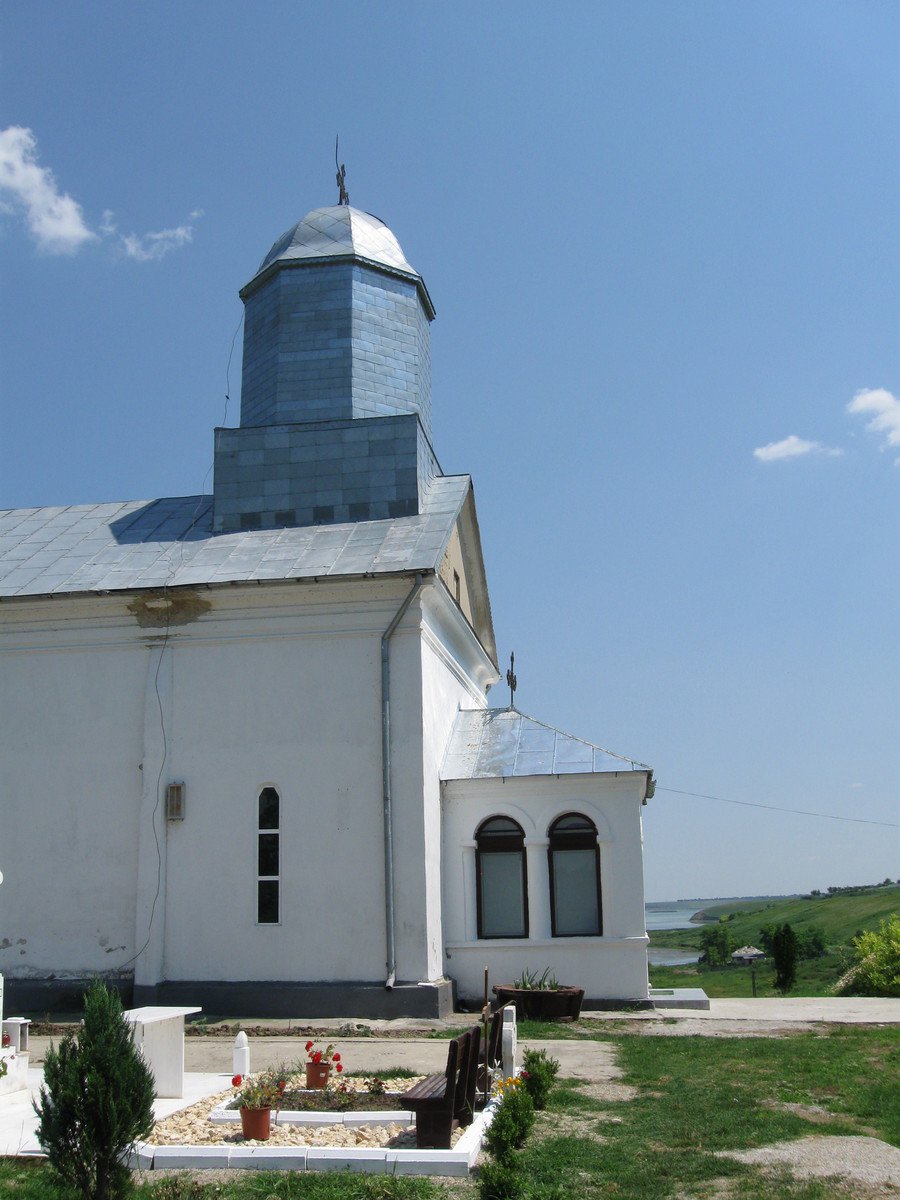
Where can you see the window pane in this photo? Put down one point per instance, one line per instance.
(268, 809)
(267, 902)
(575, 892)
(268, 854)
(502, 895)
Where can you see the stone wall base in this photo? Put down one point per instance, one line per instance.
(308, 1000)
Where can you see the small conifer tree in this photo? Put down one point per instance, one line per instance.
(97, 1100)
(784, 951)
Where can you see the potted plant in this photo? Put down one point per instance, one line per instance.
(256, 1098)
(318, 1068)
(541, 997)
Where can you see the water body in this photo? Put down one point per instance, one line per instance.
(671, 916)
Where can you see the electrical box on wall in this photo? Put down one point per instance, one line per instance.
(175, 802)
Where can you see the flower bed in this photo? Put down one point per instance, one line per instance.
(215, 1120)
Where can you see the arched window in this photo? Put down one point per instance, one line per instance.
(501, 879)
(575, 904)
(268, 858)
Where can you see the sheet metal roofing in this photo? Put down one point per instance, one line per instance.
(492, 742)
(339, 232)
(170, 543)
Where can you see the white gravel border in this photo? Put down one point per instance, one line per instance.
(456, 1162)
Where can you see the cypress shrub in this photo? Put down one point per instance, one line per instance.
(539, 1072)
(511, 1125)
(97, 1100)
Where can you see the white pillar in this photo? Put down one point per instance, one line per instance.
(470, 912)
(538, 888)
(151, 880)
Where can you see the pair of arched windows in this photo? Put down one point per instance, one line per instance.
(574, 874)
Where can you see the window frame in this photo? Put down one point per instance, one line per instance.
(500, 843)
(268, 831)
(583, 839)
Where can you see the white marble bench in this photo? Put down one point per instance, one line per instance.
(159, 1035)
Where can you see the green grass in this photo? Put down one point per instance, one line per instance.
(699, 1095)
(840, 917)
(34, 1182)
(815, 977)
(696, 1095)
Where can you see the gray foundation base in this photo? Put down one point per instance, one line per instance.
(310, 1000)
(39, 996)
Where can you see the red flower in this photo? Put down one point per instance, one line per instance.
(317, 1057)
(237, 1080)
(336, 1057)
(340, 1067)
(309, 1045)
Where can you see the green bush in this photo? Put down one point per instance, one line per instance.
(497, 1182)
(876, 971)
(511, 1125)
(539, 1071)
(96, 1102)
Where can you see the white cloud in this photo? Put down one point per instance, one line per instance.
(886, 409)
(54, 219)
(792, 447)
(148, 246)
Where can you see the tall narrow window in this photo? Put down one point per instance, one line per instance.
(268, 856)
(575, 904)
(501, 879)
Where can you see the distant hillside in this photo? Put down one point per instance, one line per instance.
(840, 916)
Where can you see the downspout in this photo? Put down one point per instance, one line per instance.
(386, 780)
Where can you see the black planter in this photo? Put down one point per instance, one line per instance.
(549, 1004)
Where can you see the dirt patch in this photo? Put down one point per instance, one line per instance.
(862, 1160)
(813, 1113)
(706, 1027)
(609, 1091)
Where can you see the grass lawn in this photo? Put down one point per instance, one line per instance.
(815, 977)
(696, 1095)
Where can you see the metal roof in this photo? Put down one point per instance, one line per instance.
(498, 742)
(170, 543)
(339, 232)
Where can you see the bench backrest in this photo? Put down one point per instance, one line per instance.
(464, 1102)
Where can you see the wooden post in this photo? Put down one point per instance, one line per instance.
(485, 1018)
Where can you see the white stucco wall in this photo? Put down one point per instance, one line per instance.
(613, 966)
(274, 686)
(72, 697)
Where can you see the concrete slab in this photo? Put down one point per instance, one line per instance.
(189, 1158)
(327, 1158)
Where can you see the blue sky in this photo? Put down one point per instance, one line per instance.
(661, 240)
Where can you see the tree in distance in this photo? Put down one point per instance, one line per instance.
(96, 1102)
(784, 951)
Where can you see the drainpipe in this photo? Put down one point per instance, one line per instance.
(386, 779)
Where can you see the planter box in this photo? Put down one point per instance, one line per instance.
(552, 1004)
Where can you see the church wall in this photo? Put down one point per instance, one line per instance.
(72, 698)
(610, 967)
(455, 673)
(299, 712)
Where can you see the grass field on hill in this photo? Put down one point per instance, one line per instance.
(840, 917)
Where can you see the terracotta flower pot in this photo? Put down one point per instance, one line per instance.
(256, 1123)
(317, 1074)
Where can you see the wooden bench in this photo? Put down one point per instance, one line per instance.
(442, 1102)
(490, 1057)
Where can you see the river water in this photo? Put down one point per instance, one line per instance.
(674, 915)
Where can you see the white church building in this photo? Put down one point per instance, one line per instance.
(248, 760)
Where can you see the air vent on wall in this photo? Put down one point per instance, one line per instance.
(175, 802)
